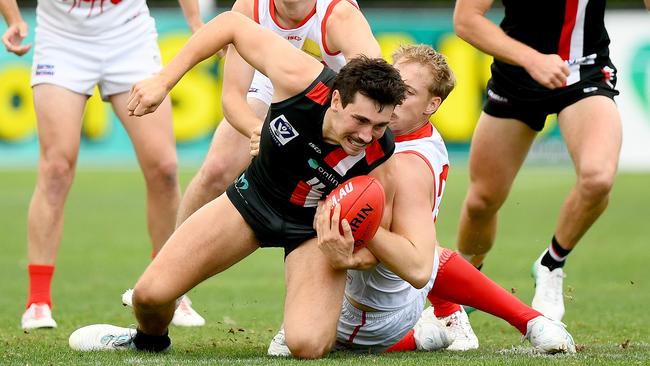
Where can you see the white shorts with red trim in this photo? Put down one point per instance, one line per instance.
(261, 88)
(375, 331)
(113, 65)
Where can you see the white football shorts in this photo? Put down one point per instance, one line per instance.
(261, 88)
(375, 331)
(113, 65)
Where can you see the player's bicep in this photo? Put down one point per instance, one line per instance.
(413, 203)
(348, 31)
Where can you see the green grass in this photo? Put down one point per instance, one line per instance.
(105, 248)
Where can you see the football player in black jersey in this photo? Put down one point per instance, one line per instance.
(549, 57)
(321, 129)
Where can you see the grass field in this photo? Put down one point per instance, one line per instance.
(105, 248)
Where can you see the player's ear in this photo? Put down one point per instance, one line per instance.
(434, 104)
(335, 103)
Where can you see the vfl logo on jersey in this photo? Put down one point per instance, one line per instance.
(282, 131)
(322, 172)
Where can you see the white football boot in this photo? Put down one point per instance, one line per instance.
(459, 327)
(548, 298)
(37, 316)
(184, 315)
(549, 336)
(102, 337)
(431, 334)
(278, 346)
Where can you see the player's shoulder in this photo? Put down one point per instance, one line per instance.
(342, 10)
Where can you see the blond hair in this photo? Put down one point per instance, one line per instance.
(443, 79)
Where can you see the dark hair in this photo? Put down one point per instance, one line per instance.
(372, 77)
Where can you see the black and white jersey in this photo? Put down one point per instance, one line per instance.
(573, 29)
(295, 167)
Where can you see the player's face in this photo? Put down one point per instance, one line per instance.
(360, 123)
(418, 103)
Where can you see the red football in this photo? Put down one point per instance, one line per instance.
(362, 204)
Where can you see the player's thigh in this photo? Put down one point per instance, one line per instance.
(152, 135)
(229, 153)
(59, 114)
(314, 295)
(499, 148)
(210, 241)
(592, 128)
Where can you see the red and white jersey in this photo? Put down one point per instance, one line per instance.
(95, 20)
(380, 288)
(309, 35)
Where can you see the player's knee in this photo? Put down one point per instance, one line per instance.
(480, 202)
(308, 346)
(163, 175)
(147, 298)
(595, 184)
(57, 175)
(215, 175)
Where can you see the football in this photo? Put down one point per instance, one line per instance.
(362, 204)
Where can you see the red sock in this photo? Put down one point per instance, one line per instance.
(406, 344)
(40, 279)
(442, 307)
(459, 282)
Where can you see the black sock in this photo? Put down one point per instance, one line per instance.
(150, 343)
(555, 256)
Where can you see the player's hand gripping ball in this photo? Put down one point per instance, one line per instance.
(362, 204)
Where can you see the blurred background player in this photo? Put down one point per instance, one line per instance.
(333, 31)
(80, 44)
(549, 57)
(384, 302)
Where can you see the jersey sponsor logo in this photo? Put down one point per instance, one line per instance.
(316, 148)
(590, 89)
(282, 131)
(294, 37)
(253, 90)
(323, 174)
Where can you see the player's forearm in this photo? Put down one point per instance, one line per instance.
(239, 114)
(488, 37)
(192, 14)
(10, 12)
(647, 4)
(404, 258)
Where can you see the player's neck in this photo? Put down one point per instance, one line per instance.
(290, 13)
(328, 129)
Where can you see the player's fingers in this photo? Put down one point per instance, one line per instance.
(21, 50)
(347, 231)
(320, 219)
(335, 218)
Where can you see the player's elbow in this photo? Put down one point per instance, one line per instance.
(419, 277)
(463, 25)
